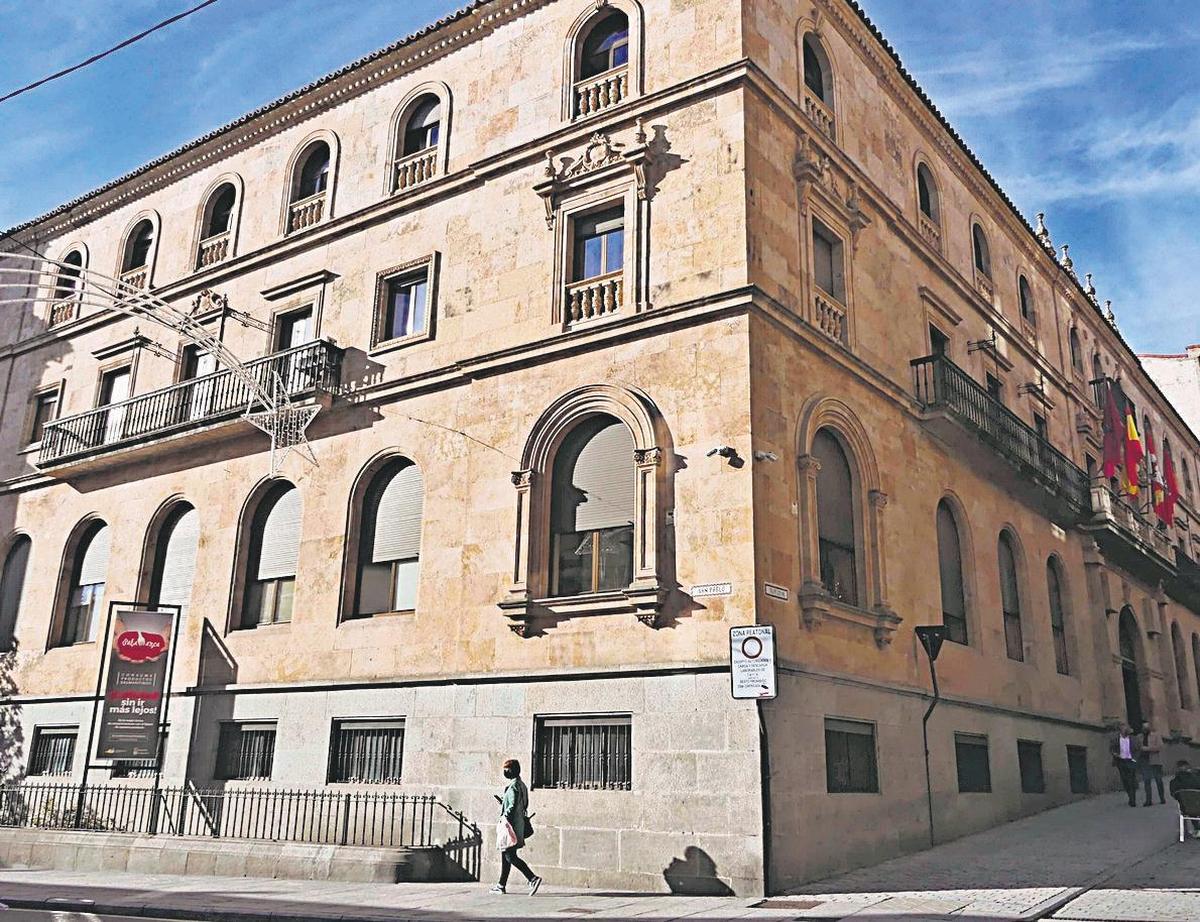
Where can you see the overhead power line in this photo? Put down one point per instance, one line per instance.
(104, 54)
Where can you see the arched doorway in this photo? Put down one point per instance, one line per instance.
(1128, 639)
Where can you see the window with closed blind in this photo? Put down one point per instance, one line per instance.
(829, 270)
(1010, 598)
(366, 751)
(590, 753)
(1077, 769)
(271, 561)
(836, 517)
(950, 573)
(974, 767)
(850, 766)
(52, 751)
(389, 547)
(1058, 618)
(85, 590)
(175, 558)
(246, 751)
(1029, 761)
(12, 586)
(593, 499)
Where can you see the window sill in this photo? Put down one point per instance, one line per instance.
(644, 600)
(403, 342)
(381, 615)
(817, 605)
(68, 646)
(268, 626)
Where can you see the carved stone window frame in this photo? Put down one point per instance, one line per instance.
(605, 172)
(528, 601)
(593, 11)
(427, 264)
(398, 122)
(816, 602)
(204, 212)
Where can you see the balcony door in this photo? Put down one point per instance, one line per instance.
(114, 388)
(198, 396)
(293, 330)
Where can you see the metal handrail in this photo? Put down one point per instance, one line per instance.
(187, 404)
(939, 382)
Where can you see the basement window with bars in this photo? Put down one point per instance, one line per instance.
(850, 766)
(53, 751)
(1029, 760)
(587, 753)
(138, 768)
(366, 751)
(246, 751)
(974, 769)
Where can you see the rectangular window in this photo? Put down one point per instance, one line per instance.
(366, 752)
(246, 751)
(44, 409)
(406, 312)
(974, 770)
(269, 601)
(850, 766)
(53, 751)
(1077, 769)
(114, 388)
(1029, 759)
(390, 585)
(138, 768)
(294, 329)
(590, 753)
(828, 268)
(995, 388)
(1040, 426)
(939, 342)
(599, 244)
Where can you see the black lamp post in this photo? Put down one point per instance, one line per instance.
(931, 636)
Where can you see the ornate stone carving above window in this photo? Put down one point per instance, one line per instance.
(601, 159)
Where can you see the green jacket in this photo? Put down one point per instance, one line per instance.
(515, 807)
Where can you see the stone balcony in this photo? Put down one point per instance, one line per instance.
(135, 278)
(929, 230)
(829, 316)
(306, 212)
(63, 311)
(594, 298)
(985, 286)
(596, 94)
(213, 250)
(818, 113)
(1129, 536)
(415, 169)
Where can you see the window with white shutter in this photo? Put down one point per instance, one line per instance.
(274, 549)
(12, 584)
(389, 549)
(86, 591)
(836, 511)
(175, 558)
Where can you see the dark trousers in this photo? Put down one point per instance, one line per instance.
(1128, 770)
(1153, 773)
(509, 859)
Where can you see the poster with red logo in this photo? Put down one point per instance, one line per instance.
(133, 698)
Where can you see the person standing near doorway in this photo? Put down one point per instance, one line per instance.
(1150, 761)
(1125, 749)
(514, 807)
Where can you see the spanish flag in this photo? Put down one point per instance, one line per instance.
(1133, 455)
(1158, 489)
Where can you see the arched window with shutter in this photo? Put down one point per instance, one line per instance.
(1076, 351)
(927, 194)
(12, 585)
(817, 72)
(1058, 618)
(1010, 598)
(950, 572)
(85, 592)
(592, 509)
(271, 561)
(1181, 667)
(67, 283)
(175, 558)
(137, 248)
(979, 246)
(836, 517)
(389, 547)
(1025, 297)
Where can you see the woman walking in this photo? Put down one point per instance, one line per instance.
(514, 809)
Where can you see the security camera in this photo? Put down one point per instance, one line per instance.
(725, 451)
(760, 455)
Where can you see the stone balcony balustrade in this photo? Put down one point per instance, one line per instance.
(306, 212)
(819, 113)
(415, 169)
(213, 250)
(594, 298)
(135, 278)
(830, 316)
(929, 230)
(596, 94)
(62, 311)
(985, 286)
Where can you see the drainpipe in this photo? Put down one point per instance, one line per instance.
(931, 637)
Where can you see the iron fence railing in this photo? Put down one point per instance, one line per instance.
(198, 401)
(325, 816)
(941, 383)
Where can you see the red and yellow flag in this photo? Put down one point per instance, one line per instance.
(1114, 433)
(1133, 456)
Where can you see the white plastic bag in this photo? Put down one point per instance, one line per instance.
(505, 837)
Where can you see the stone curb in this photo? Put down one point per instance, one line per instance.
(187, 915)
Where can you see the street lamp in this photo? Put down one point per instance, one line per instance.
(932, 636)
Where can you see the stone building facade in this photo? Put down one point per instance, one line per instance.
(1179, 377)
(605, 304)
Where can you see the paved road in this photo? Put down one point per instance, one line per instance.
(53, 915)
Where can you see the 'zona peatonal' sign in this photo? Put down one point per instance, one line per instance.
(133, 696)
(752, 661)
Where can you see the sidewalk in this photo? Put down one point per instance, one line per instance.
(1023, 870)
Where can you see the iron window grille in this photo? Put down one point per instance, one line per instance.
(587, 753)
(138, 768)
(1029, 760)
(1077, 769)
(974, 769)
(246, 751)
(850, 763)
(366, 752)
(53, 751)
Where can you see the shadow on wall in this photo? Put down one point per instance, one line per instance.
(12, 739)
(695, 874)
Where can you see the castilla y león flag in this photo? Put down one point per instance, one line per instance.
(1133, 455)
(1114, 433)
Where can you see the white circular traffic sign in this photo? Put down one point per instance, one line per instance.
(752, 647)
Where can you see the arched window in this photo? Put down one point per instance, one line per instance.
(1187, 480)
(422, 127)
(85, 592)
(950, 571)
(1025, 296)
(67, 283)
(1058, 621)
(983, 259)
(1010, 598)
(175, 558)
(927, 195)
(592, 509)
(836, 515)
(817, 77)
(137, 247)
(606, 45)
(313, 175)
(1127, 634)
(1098, 380)
(1181, 669)
(220, 210)
(1076, 350)
(1196, 661)
(12, 583)
(271, 561)
(389, 546)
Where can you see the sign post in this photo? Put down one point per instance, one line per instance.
(752, 662)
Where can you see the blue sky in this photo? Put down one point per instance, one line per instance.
(1085, 109)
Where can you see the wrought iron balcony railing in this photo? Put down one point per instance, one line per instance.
(187, 405)
(940, 383)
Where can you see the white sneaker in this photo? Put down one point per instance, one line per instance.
(534, 884)
(497, 888)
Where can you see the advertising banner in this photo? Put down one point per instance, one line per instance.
(133, 697)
